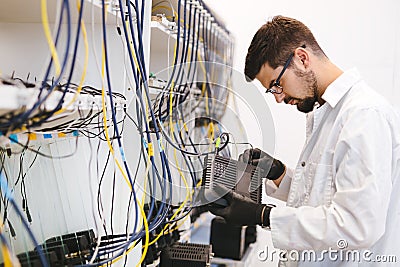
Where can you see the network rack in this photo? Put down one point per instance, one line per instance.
(98, 103)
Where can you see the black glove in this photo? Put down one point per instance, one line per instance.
(273, 168)
(240, 210)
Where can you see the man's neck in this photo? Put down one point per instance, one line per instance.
(326, 73)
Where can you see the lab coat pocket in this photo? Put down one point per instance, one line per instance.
(321, 186)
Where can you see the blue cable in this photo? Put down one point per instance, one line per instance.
(23, 117)
(4, 241)
(193, 45)
(8, 195)
(200, 17)
(142, 71)
(73, 61)
(59, 105)
(109, 86)
(175, 61)
(142, 67)
(116, 132)
(139, 92)
(184, 46)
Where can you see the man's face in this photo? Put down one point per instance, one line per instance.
(299, 86)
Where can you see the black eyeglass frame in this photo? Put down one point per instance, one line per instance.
(277, 82)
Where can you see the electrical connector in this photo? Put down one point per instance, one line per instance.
(186, 254)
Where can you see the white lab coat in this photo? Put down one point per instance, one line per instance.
(346, 184)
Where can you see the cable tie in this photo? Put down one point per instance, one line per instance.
(4, 187)
(121, 150)
(47, 136)
(144, 142)
(32, 136)
(150, 149)
(13, 138)
(160, 145)
(218, 142)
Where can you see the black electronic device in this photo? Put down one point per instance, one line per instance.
(64, 250)
(235, 175)
(186, 254)
(227, 240)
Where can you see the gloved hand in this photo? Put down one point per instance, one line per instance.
(240, 210)
(272, 168)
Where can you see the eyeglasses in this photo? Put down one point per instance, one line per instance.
(276, 87)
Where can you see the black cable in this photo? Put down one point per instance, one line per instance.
(6, 201)
(171, 78)
(226, 135)
(42, 154)
(99, 200)
(188, 162)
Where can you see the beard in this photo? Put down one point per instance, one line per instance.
(310, 82)
(306, 105)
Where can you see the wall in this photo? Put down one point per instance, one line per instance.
(362, 34)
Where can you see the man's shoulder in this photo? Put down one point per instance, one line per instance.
(363, 99)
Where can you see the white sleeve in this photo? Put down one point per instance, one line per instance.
(362, 168)
(282, 191)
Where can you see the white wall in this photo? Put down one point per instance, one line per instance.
(358, 33)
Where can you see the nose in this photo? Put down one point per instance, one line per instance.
(279, 97)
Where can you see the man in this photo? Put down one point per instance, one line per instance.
(343, 192)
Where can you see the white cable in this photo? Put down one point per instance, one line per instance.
(102, 84)
(93, 208)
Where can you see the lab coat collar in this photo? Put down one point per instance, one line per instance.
(339, 87)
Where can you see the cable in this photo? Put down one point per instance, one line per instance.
(7, 194)
(81, 24)
(50, 42)
(8, 259)
(13, 140)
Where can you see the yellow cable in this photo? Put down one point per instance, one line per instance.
(6, 256)
(178, 225)
(145, 222)
(179, 170)
(203, 89)
(188, 195)
(85, 65)
(131, 49)
(146, 226)
(211, 130)
(104, 110)
(176, 160)
(145, 247)
(50, 42)
(8, 259)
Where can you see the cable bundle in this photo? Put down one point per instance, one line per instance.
(203, 51)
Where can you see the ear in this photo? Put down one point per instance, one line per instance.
(302, 57)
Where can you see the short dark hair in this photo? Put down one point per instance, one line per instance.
(274, 42)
